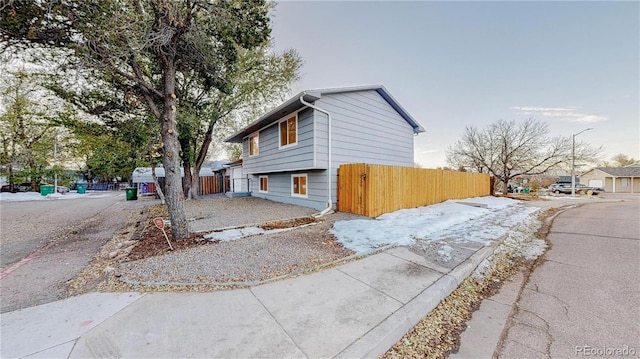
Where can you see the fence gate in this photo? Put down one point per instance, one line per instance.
(352, 188)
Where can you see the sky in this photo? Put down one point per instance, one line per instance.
(573, 65)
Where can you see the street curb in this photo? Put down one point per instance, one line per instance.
(378, 340)
(511, 306)
(384, 335)
(464, 269)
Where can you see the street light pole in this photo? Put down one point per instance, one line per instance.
(573, 161)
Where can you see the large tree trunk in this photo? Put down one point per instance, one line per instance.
(195, 183)
(187, 180)
(171, 159)
(202, 155)
(89, 179)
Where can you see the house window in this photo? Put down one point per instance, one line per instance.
(264, 184)
(289, 131)
(299, 185)
(626, 182)
(253, 144)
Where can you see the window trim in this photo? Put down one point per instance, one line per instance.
(255, 134)
(285, 119)
(306, 177)
(260, 190)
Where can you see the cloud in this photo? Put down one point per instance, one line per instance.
(569, 113)
(429, 151)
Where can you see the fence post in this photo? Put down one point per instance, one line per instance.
(492, 186)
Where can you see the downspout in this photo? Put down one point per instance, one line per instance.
(329, 202)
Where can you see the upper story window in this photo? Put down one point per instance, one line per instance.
(253, 144)
(289, 131)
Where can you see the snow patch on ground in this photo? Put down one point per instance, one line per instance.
(237, 233)
(35, 196)
(233, 234)
(445, 253)
(521, 243)
(449, 220)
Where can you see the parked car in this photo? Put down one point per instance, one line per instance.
(559, 187)
(22, 187)
(63, 189)
(566, 188)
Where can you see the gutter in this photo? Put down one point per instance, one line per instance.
(329, 202)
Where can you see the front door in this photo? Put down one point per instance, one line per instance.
(236, 176)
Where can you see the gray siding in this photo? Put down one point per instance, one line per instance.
(365, 129)
(280, 189)
(271, 158)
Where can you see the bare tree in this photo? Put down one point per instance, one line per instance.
(619, 160)
(507, 149)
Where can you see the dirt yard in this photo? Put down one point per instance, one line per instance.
(143, 261)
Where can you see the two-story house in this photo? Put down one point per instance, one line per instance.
(292, 153)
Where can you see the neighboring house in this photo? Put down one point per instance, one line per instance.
(236, 182)
(614, 179)
(292, 153)
(143, 180)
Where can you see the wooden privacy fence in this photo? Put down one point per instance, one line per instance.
(211, 185)
(372, 190)
(208, 185)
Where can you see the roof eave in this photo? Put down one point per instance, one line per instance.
(286, 107)
(417, 128)
(294, 104)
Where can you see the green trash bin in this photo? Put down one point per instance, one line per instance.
(46, 189)
(132, 193)
(82, 188)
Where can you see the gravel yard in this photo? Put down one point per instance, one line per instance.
(218, 264)
(220, 211)
(246, 260)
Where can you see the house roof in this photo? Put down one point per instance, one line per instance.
(143, 174)
(627, 171)
(294, 104)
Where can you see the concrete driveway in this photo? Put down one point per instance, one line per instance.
(584, 300)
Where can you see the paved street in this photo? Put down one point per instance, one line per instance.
(584, 299)
(47, 243)
(28, 225)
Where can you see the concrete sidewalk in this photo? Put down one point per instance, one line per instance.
(359, 309)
